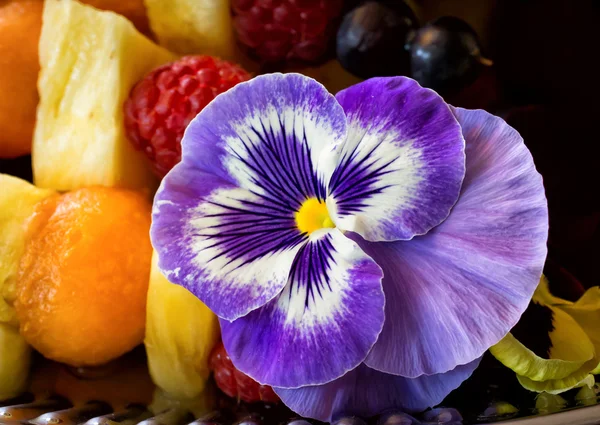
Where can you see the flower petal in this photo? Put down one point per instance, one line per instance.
(558, 386)
(569, 340)
(586, 312)
(456, 291)
(321, 326)
(366, 392)
(223, 244)
(400, 171)
(517, 357)
(266, 135)
(223, 223)
(562, 357)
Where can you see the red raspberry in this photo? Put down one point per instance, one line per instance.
(235, 383)
(160, 106)
(279, 30)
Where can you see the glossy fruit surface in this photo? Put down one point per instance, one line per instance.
(236, 384)
(445, 55)
(163, 103)
(371, 40)
(83, 277)
(284, 30)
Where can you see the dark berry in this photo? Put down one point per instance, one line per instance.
(445, 55)
(160, 106)
(276, 31)
(371, 40)
(235, 383)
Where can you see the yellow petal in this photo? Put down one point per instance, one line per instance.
(575, 352)
(557, 386)
(514, 355)
(586, 311)
(571, 349)
(569, 341)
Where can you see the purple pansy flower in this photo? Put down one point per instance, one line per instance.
(362, 251)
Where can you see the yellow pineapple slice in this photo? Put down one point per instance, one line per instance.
(197, 27)
(17, 202)
(193, 26)
(180, 334)
(89, 62)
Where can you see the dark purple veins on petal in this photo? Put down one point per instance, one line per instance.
(283, 166)
(283, 169)
(224, 222)
(354, 182)
(311, 269)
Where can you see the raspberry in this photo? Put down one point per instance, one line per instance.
(280, 30)
(235, 383)
(161, 105)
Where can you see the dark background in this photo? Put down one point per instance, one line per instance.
(546, 55)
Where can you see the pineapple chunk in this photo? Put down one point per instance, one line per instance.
(88, 68)
(17, 202)
(180, 334)
(197, 27)
(193, 26)
(15, 358)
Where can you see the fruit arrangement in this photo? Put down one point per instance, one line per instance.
(98, 98)
(79, 283)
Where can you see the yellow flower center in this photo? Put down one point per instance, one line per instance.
(313, 215)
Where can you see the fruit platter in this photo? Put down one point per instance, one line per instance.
(296, 212)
